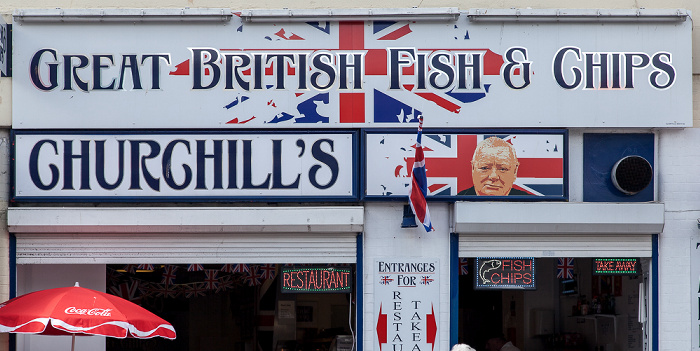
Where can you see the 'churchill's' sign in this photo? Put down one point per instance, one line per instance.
(352, 74)
(208, 166)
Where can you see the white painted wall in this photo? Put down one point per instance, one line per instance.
(384, 238)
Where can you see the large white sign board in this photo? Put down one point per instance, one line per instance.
(459, 74)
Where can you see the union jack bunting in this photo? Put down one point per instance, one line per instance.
(225, 283)
(148, 267)
(169, 274)
(419, 184)
(211, 279)
(268, 271)
(195, 267)
(253, 278)
(194, 290)
(565, 268)
(463, 266)
(128, 291)
(130, 268)
(240, 268)
(164, 290)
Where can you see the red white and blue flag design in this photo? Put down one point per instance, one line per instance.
(565, 268)
(447, 158)
(419, 184)
(371, 103)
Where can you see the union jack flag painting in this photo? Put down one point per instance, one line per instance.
(386, 280)
(541, 157)
(285, 96)
(565, 268)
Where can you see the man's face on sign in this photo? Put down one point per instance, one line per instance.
(494, 170)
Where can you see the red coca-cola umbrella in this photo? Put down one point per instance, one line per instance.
(80, 311)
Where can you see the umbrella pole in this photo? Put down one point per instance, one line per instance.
(72, 343)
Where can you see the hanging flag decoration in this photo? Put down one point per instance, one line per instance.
(211, 279)
(162, 281)
(169, 274)
(268, 271)
(565, 268)
(253, 278)
(419, 183)
(463, 266)
(195, 267)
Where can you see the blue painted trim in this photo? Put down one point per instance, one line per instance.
(13, 266)
(359, 302)
(12, 342)
(454, 288)
(655, 292)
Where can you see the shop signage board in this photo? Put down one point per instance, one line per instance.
(308, 279)
(505, 273)
(616, 266)
(538, 168)
(456, 74)
(220, 166)
(406, 303)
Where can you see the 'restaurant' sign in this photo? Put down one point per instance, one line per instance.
(305, 279)
(190, 166)
(459, 74)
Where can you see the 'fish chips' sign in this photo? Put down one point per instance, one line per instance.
(235, 74)
(504, 273)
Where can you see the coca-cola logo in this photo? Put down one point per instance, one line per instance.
(104, 312)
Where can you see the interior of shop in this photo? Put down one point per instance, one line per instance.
(238, 307)
(572, 307)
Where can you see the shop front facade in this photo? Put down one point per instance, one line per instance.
(245, 175)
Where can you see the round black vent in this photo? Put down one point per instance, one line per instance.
(632, 174)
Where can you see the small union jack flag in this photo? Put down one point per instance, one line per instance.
(211, 279)
(148, 267)
(240, 268)
(463, 266)
(386, 280)
(565, 268)
(128, 291)
(195, 267)
(253, 278)
(165, 290)
(194, 290)
(130, 268)
(169, 274)
(225, 283)
(426, 280)
(268, 271)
